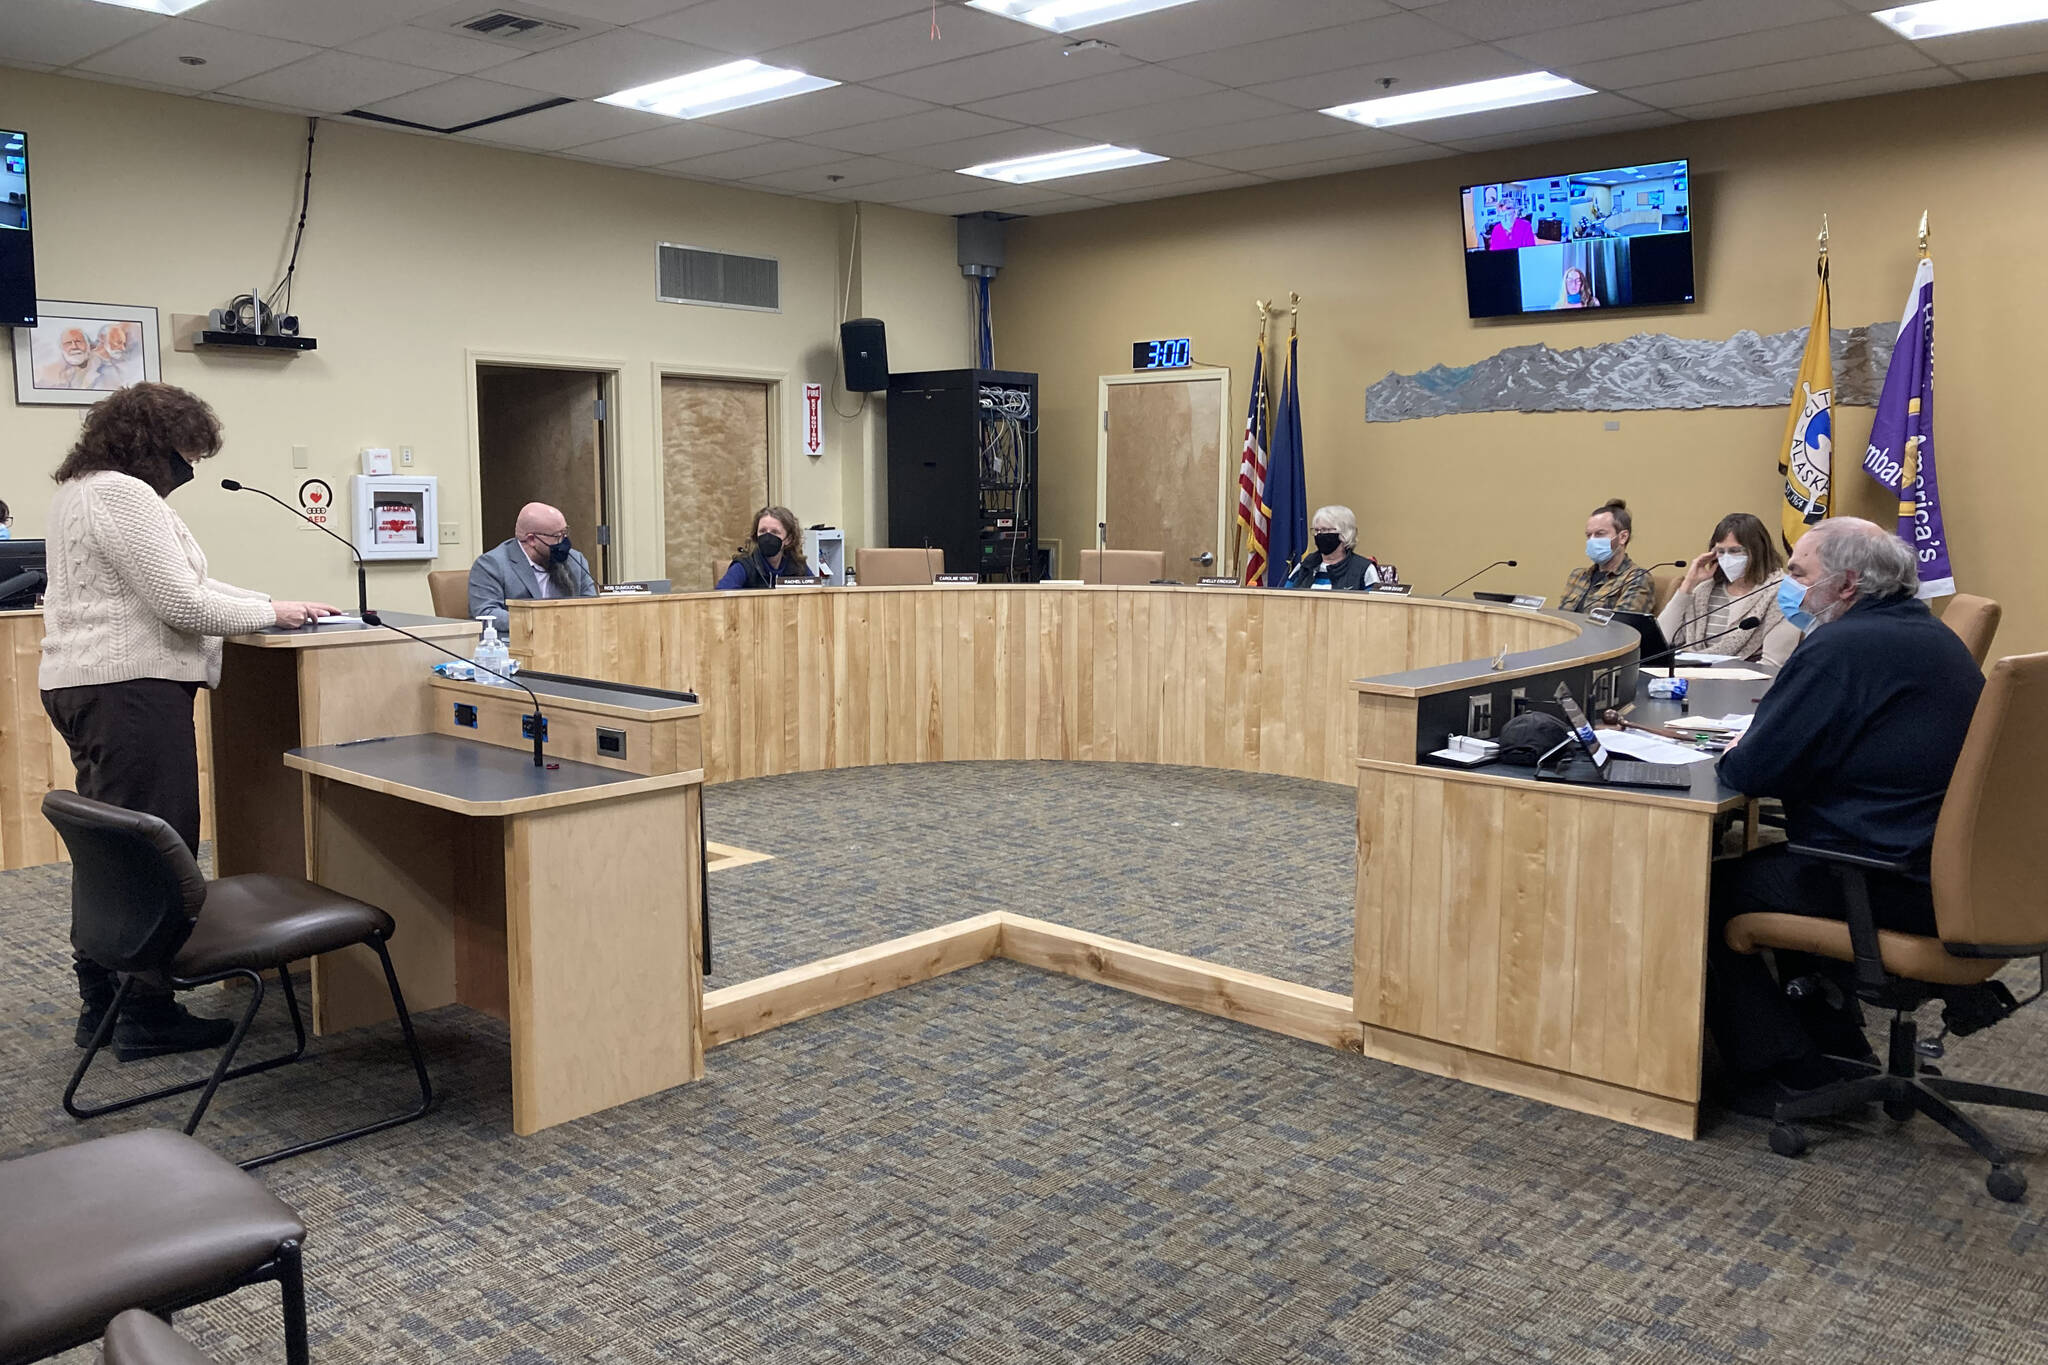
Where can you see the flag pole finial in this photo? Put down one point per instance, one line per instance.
(1823, 234)
(1923, 232)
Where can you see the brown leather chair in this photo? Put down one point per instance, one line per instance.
(1126, 568)
(141, 907)
(1663, 587)
(1989, 871)
(450, 591)
(148, 1220)
(879, 567)
(140, 1338)
(1975, 620)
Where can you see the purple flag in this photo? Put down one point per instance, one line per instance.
(1901, 454)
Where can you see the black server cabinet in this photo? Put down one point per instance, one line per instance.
(963, 469)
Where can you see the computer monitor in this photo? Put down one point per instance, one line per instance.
(23, 572)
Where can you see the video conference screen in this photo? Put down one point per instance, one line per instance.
(17, 247)
(1620, 238)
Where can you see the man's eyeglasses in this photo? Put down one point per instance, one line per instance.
(551, 537)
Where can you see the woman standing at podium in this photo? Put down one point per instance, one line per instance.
(133, 629)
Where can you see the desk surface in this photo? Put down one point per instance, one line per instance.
(356, 633)
(471, 778)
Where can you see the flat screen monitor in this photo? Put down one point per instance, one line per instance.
(23, 572)
(17, 244)
(1618, 238)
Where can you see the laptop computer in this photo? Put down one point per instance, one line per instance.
(1654, 646)
(1606, 769)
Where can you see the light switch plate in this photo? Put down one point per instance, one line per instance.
(405, 455)
(299, 460)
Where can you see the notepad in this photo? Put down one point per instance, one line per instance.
(1723, 674)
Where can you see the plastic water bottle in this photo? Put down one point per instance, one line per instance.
(492, 654)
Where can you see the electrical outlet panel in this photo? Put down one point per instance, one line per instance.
(1479, 715)
(451, 534)
(405, 455)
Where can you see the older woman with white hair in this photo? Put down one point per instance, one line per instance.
(1334, 563)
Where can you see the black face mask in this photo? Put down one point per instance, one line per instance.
(770, 545)
(180, 474)
(1328, 541)
(558, 553)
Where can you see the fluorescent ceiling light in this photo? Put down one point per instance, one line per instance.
(1534, 87)
(718, 90)
(1029, 170)
(1064, 16)
(1939, 18)
(157, 6)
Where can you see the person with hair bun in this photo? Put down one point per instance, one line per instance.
(132, 630)
(1612, 580)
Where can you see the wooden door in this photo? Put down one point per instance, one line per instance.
(714, 465)
(538, 441)
(1162, 489)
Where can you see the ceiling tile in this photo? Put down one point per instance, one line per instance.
(440, 51)
(900, 44)
(916, 130)
(1822, 38)
(320, 22)
(1992, 44)
(818, 111)
(853, 174)
(914, 186)
(457, 101)
(569, 125)
(1096, 95)
(33, 31)
(1697, 21)
(974, 151)
(1126, 126)
(1552, 116)
(1294, 126)
(1424, 71)
(154, 56)
(1488, 20)
(748, 27)
(1228, 180)
(1382, 40)
(659, 146)
(1779, 76)
(615, 60)
(761, 158)
(1188, 29)
(1058, 203)
(992, 198)
(618, 11)
(1887, 84)
(1360, 143)
(2009, 66)
(332, 82)
(1343, 164)
(1523, 137)
(1024, 67)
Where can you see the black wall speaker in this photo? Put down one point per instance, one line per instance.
(867, 355)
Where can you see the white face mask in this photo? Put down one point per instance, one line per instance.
(1734, 563)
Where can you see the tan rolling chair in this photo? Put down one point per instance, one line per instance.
(143, 1220)
(1975, 620)
(141, 1338)
(879, 567)
(1122, 567)
(450, 591)
(1989, 869)
(1663, 587)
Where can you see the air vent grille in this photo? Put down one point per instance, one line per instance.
(519, 30)
(688, 274)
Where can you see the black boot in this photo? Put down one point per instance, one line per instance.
(157, 1025)
(96, 986)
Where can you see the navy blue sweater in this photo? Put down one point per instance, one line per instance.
(1859, 734)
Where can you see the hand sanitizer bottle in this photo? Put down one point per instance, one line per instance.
(492, 654)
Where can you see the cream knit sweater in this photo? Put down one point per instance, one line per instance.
(128, 595)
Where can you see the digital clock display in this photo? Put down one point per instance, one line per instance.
(1160, 355)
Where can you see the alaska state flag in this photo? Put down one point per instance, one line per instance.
(1286, 491)
(1901, 454)
(1806, 452)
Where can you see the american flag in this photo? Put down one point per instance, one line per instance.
(1253, 517)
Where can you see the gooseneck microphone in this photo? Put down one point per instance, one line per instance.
(1511, 563)
(362, 577)
(1746, 623)
(540, 724)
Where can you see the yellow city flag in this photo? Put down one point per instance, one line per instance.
(1806, 454)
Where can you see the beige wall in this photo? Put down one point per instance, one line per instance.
(1377, 258)
(421, 255)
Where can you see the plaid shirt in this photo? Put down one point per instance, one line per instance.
(1624, 587)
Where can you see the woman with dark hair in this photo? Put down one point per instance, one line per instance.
(1729, 583)
(774, 552)
(133, 626)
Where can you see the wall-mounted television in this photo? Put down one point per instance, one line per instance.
(1619, 238)
(17, 245)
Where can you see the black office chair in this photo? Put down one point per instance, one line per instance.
(141, 907)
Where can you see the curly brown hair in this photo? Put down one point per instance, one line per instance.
(792, 541)
(139, 431)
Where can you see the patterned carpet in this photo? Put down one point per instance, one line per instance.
(1006, 1165)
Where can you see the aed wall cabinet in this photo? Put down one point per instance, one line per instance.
(395, 516)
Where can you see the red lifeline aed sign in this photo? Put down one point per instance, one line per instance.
(814, 419)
